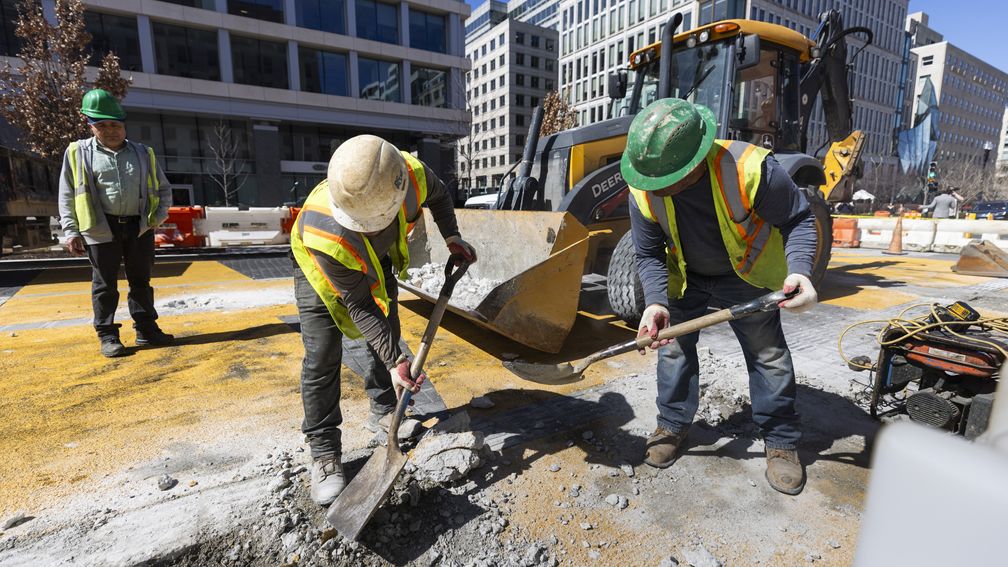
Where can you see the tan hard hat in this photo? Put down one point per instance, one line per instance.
(367, 183)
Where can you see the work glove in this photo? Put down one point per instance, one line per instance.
(654, 319)
(75, 245)
(402, 378)
(806, 297)
(458, 246)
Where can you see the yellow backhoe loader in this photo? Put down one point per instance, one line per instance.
(565, 212)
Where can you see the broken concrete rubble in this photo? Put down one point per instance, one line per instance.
(449, 456)
(469, 291)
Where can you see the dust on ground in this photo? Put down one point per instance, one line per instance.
(569, 496)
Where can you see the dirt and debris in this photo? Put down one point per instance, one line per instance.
(469, 291)
(166, 482)
(16, 520)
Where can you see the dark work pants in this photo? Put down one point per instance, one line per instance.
(768, 360)
(137, 253)
(320, 370)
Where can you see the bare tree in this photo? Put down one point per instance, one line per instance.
(557, 115)
(227, 170)
(41, 93)
(969, 180)
(466, 146)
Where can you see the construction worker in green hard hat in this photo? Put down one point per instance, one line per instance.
(717, 223)
(112, 195)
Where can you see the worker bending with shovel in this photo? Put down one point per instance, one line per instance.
(717, 223)
(349, 243)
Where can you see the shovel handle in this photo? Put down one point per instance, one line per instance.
(766, 302)
(454, 271)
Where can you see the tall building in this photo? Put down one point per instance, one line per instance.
(542, 13)
(514, 66)
(597, 37)
(971, 95)
(289, 80)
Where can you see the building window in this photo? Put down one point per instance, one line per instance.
(186, 52)
(714, 10)
(519, 119)
(379, 80)
(550, 44)
(113, 33)
(259, 62)
(535, 62)
(205, 4)
(427, 31)
(428, 87)
(269, 10)
(520, 38)
(9, 41)
(322, 15)
(378, 21)
(520, 139)
(323, 71)
(519, 79)
(535, 82)
(519, 59)
(519, 100)
(535, 41)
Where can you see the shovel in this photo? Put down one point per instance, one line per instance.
(365, 493)
(571, 371)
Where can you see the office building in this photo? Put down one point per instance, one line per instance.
(971, 95)
(514, 66)
(291, 79)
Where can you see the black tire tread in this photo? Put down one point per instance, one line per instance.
(626, 295)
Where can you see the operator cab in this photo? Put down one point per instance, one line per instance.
(753, 64)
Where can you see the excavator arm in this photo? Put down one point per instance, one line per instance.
(827, 78)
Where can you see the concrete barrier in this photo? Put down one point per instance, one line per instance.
(918, 234)
(228, 226)
(953, 234)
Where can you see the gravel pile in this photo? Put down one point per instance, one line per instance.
(469, 291)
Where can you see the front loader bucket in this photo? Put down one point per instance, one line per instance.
(981, 258)
(526, 282)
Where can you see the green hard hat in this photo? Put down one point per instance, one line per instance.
(667, 140)
(99, 104)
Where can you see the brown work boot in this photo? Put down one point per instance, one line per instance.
(662, 447)
(784, 471)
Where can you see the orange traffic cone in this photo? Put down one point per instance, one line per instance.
(896, 244)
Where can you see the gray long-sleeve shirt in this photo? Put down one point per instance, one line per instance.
(355, 289)
(778, 201)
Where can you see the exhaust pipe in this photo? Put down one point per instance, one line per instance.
(531, 141)
(664, 81)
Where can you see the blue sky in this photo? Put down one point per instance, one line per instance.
(962, 22)
(958, 21)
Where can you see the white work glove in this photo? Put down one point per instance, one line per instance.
(458, 246)
(655, 318)
(806, 297)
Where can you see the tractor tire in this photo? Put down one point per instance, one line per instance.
(626, 296)
(824, 234)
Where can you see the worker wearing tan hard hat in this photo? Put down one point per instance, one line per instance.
(349, 243)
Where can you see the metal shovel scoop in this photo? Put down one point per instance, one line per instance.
(568, 372)
(365, 493)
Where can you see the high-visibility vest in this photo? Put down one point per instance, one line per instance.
(315, 230)
(755, 247)
(84, 209)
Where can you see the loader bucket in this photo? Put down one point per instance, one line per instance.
(981, 258)
(526, 282)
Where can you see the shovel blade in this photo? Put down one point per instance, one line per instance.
(551, 374)
(366, 492)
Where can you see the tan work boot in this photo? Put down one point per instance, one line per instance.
(784, 471)
(662, 447)
(327, 479)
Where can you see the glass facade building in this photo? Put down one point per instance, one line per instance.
(289, 80)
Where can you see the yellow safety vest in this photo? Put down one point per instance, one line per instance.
(315, 230)
(755, 247)
(84, 209)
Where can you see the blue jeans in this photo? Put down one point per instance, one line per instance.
(768, 360)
